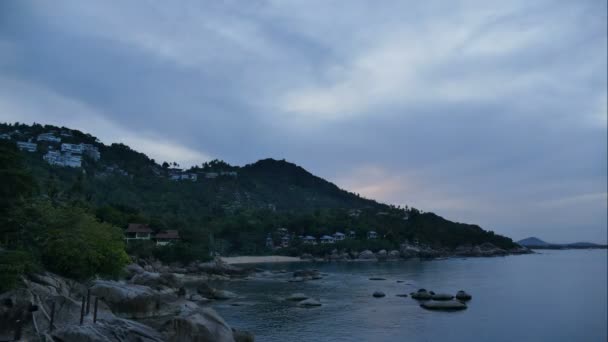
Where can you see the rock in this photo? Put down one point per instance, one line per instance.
(127, 299)
(377, 278)
(306, 256)
(367, 255)
(297, 297)
(382, 254)
(296, 280)
(407, 251)
(242, 336)
(402, 295)
(221, 268)
(393, 255)
(400, 281)
(156, 280)
(431, 293)
(378, 294)
(202, 325)
(119, 330)
(224, 295)
(309, 303)
(133, 269)
(442, 296)
(198, 298)
(422, 294)
(450, 305)
(462, 295)
(209, 292)
(306, 273)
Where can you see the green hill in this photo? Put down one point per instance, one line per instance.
(230, 209)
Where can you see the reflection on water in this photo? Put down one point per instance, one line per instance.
(553, 296)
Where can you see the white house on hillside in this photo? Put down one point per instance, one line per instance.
(50, 137)
(326, 239)
(27, 146)
(372, 235)
(339, 236)
(62, 159)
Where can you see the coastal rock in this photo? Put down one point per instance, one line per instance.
(156, 280)
(450, 305)
(219, 267)
(393, 255)
(127, 299)
(442, 296)
(309, 303)
(402, 295)
(305, 275)
(463, 295)
(407, 251)
(119, 330)
(202, 325)
(367, 255)
(206, 291)
(306, 256)
(133, 269)
(377, 278)
(422, 294)
(297, 297)
(242, 336)
(379, 294)
(382, 254)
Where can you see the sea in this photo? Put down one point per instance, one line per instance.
(553, 295)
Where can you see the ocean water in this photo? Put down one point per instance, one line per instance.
(550, 296)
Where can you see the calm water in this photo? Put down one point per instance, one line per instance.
(553, 296)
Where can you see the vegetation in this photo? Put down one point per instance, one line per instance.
(50, 211)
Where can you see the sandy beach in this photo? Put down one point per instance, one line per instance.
(259, 259)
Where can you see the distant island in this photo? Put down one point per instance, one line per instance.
(536, 243)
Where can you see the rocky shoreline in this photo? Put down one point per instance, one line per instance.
(407, 251)
(152, 303)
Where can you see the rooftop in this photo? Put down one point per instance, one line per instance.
(138, 228)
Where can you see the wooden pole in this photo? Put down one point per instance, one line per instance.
(82, 310)
(95, 310)
(88, 301)
(52, 317)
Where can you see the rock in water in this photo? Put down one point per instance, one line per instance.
(450, 305)
(242, 336)
(309, 303)
(377, 278)
(378, 294)
(127, 299)
(296, 297)
(442, 296)
(367, 255)
(462, 295)
(402, 295)
(422, 294)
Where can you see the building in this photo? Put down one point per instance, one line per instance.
(91, 151)
(62, 159)
(50, 137)
(339, 236)
(372, 235)
(27, 146)
(352, 234)
(309, 240)
(66, 134)
(71, 148)
(178, 174)
(228, 173)
(138, 231)
(189, 176)
(326, 239)
(211, 175)
(167, 237)
(5, 136)
(282, 231)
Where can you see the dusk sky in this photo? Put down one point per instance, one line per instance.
(486, 112)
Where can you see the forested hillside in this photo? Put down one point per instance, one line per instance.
(225, 208)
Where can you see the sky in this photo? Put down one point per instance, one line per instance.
(486, 112)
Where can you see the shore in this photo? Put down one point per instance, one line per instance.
(259, 259)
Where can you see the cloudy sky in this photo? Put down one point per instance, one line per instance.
(489, 112)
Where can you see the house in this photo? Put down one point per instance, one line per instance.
(189, 176)
(166, 237)
(50, 137)
(339, 236)
(138, 231)
(62, 159)
(5, 136)
(282, 231)
(228, 173)
(309, 240)
(27, 146)
(211, 175)
(285, 241)
(352, 234)
(66, 134)
(326, 239)
(71, 148)
(91, 151)
(372, 235)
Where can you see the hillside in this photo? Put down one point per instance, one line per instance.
(230, 208)
(533, 242)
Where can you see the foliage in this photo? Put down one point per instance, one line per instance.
(13, 265)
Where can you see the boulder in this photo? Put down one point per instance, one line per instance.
(156, 280)
(209, 292)
(367, 255)
(309, 303)
(133, 269)
(242, 336)
(450, 305)
(297, 297)
(219, 267)
(442, 296)
(393, 255)
(377, 278)
(382, 254)
(202, 325)
(127, 299)
(307, 273)
(407, 251)
(422, 294)
(463, 295)
(402, 295)
(119, 330)
(378, 294)
(306, 256)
